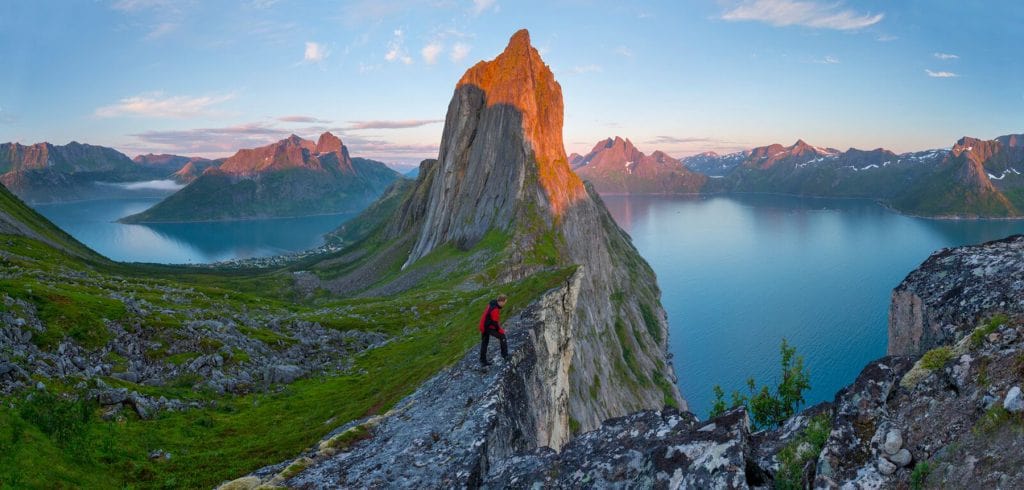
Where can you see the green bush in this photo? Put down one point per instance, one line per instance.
(792, 460)
(993, 324)
(920, 475)
(769, 409)
(936, 358)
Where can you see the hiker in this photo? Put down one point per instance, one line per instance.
(490, 326)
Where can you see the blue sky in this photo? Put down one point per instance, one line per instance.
(206, 78)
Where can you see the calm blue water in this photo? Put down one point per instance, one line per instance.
(740, 273)
(93, 223)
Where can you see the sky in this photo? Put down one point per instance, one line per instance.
(206, 78)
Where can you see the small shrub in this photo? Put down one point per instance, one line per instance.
(993, 324)
(936, 358)
(769, 409)
(983, 372)
(997, 417)
(792, 460)
(920, 475)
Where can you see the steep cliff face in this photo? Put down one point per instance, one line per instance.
(502, 166)
(952, 291)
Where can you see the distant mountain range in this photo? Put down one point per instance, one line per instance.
(44, 172)
(615, 166)
(293, 177)
(178, 168)
(976, 178)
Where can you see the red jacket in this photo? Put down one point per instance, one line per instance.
(491, 318)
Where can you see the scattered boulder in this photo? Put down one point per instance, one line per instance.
(1014, 402)
(281, 374)
(901, 458)
(893, 442)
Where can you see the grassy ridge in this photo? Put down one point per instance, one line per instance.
(73, 447)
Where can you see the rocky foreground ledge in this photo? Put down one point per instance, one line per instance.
(951, 418)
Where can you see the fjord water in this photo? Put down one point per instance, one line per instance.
(740, 273)
(94, 224)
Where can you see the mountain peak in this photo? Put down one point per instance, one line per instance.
(328, 143)
(519, 78)
(519, 40)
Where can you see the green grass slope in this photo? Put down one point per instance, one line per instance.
(55, 439)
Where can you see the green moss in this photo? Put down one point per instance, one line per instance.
(574, 426)
(239, 356)
(595, 387)
(637, 376)
(267, 336)
(181, 358)
(936, 358)
(342, 442)
(296, 467)
(651, 322)
(668, 397)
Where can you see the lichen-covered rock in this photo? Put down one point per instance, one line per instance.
(648, 449)
(849, 454)
(952, 290)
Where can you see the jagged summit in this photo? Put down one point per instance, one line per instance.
(291, 152)
(518, 77)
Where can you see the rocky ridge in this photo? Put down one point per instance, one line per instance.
(951, 418)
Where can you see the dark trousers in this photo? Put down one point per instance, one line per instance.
(485, 337)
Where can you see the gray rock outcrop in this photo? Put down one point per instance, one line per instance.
(952, 290)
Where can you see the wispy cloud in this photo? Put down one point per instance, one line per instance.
(365, 68)
(580, 69)
(806, 13)
(886, 38)
(674, 140)
(391, 124)
(481, 6)
(828, 60)
(431, 51)
(219, 141)
(946, 56)
(162, 29)
(303, 119)
(623, 51)
(315, 52)
(136, 5)
(157, 105)
(6, 117)
(227, 140)
(940, 74)
(396, 49)
(459, 52)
